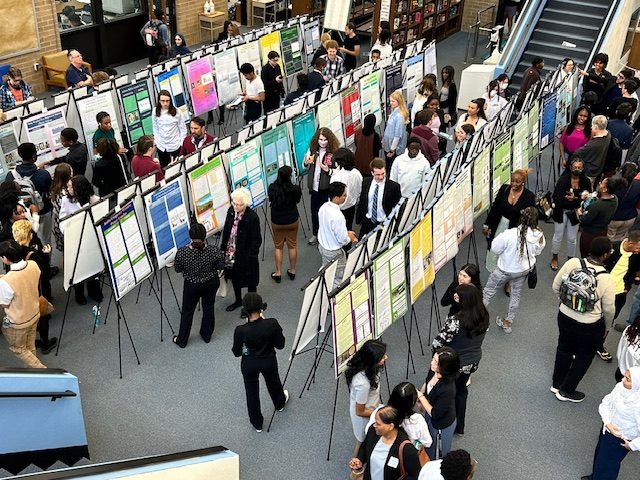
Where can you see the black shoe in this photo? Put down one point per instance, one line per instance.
(292, 276)
(220, 122)
(243, 313)
(575, 397)
(604, 355)
(39, 343)
(586, 477)
(619, 327)
(96, 296)
(81, 299)
(53, 271)
(233, 306)
(175, 340)
(50, 345)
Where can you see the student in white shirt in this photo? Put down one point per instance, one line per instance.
(169, 128)
(254, 93)
(628, 349)
(411, 168)
(456, 465)
(352, 178)
(333, 233)
(383, 45)
(494, 102)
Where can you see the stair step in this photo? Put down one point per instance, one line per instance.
(599, 9)
(556, 48)
(562, 25)
(573, 38)
(569, 16)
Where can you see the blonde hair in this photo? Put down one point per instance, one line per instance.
(243, 194)
(402, 106)
(21, 231)
(523, 172)
(324, 38)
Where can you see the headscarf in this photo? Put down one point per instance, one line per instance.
(369, 124)
(633, 395)
(182, 49)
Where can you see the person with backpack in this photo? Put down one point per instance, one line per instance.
(587, 303)
(155, 35)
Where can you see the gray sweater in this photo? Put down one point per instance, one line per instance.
(594, 155)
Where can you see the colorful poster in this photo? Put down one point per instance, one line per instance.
(303, 127)
(421, 270)
(8, 148)
(414, 72)
(481, 182)
(202, 89)
(245, 166)
(210, 194)
(171, 80)
(291, 50)
(390, 287)
(43, 129)
(350, 99)
(137, 110)
(168, 221)
(249, 53)
(464, 208)
(548, 119)
(370, 96)
(126, 253)
(227, 76)
(351, 316)
(534, 129)
(330, 116)
(445, 243)
(269, 43)
(520, 144)
(276, 151)
(501, 162)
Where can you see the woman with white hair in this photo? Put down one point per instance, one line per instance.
(241, 240)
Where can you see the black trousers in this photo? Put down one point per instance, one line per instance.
(317, 200)
(462, 392)
(621, 299)
(166, 157)
(191, 294)
(237, 289)
(251, 369)
(349, 213)
(366, 227)
(577, 345)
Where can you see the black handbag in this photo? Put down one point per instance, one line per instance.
(532, 276)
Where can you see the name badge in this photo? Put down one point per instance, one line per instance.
(393, 462)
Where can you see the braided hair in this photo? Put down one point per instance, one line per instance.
(528, 220)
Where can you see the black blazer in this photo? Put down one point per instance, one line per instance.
(316, 80)
(442, 398)
(409, 456)
(390, 198)
(108, 175)
(248, 241)
(560, 202)
(502, 208)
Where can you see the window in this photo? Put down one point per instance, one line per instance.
(73, 14)
(116, 9)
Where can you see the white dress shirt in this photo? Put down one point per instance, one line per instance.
(622, 408)
(380, 211)
(169, 130)
(6, 292)
(353, 180)
(431, 471)
(333, 233)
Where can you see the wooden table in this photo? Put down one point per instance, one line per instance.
(211, 23)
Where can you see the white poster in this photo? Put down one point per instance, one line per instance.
(8, 148)
(227, 76)
(445, 244)
(464, 204)
(336, 14)
(330, 116)
(88, 108)
(82, 258)
(430, 65)
(249, 53)
(370, 99)
(414, 73)
(43, 129)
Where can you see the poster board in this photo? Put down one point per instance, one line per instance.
(351, 114)
(330, 116)
(271, 42)
(171, 80)
(43, 130)
(245, 168)
(520, 144)
(430, 63)
(8, 147)
(445, 244)
(202, 88)
(89, 107)
(80, 248)
(168, 220)
(276, 151)
(421, 269)
(463, 203)
(303, 127)
(137, 109)
(414, 72)
(311, 32)
(370, 99)
(291, 50)
(352, 321)
(390, 287)
(501, 163)
(227, 76)
(128, 261)
(336, 14)
(210, 194)
(392, 81)
(534, 129)
(548, 120)
(249, 53)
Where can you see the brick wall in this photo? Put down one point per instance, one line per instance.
(471, 9)
(187, 12)
(47, 26)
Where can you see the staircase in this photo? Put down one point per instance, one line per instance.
(574, 21)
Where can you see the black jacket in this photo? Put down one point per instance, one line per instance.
(248, 240)
(316, 80)
(258, 339)
(634, 265)
(442, 398)
(409, 456)
(390, 198)
(273, 89)
(560, 202)
(502, 208)
(108, 175)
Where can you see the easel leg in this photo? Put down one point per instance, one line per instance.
(333, 417)
(126, 326)
(312, 373)
(407, 336)
(64, 317)
(415, 321)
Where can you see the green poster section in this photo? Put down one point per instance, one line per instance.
(390, 287)
(276, 151)
(291, 50)
(501, 162)
(303, 127)
(520, 144)
(137, 110)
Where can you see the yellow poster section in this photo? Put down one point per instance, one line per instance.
(271, 42)
(421, 266)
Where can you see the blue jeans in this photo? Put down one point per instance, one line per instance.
(445, 442)
(608, 457)
(635, 307)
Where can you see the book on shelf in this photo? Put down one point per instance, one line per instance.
(417, 18)
(453, 11)
(428, 23)
(442, 18)
(431, 8)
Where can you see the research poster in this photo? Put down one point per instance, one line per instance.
(245, 166)
(291, 50)
(351, 114)
(269, 43)
(171, 80)
(501, 162)
(390, 287)
(548, 119)
(445, 243)
(81, 258)
(209, 194)
(336, 14)
(330, 116)
(89, 107)
(393, 81)
(370, 99)
(303, 127)
(137, 109)
(276, 151)
(43, 130)
(202, 89)
(351, 316)
(421, 269)
(464, 207)
(414, 74)
(481, 182)
(430, 64)
(8, 147)
(168, 221)
(311, 41)
(520, 144)
(249, 53)
(227, 76)
(127, 256)
(534, 129)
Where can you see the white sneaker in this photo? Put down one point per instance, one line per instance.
(313, 240)
(286, 399)
(259, 430)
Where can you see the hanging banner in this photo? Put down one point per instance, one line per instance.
(245, 166)
(464, 206)
(481, 182)
(534, 129)
(8, 148)
(291, 50)
(271, 43)
(43, 130)
(171, 80)
(548, 119)
(330, 116)
(137, 110)
(202, 89)
(125, 251)
(445, 244)
(501, 162)
(390, 287)
(303, 127)
(210, 194)
(227, 76)
(350, 100)
(276, 151)
(370, 99)
(521, 144)
(421, 269)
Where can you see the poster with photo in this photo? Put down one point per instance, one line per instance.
(445, 242)
(276, 151)
(351, 114)
(89, 107)
(501, 162)
(137, 109)
(43, 130)
(210, 194)
(245, 168)
(548, 119)
(482, 182)
(520, 144)
(249, 53)
(303, 127)
(464, 206)
(227, 76)
(370, 99)
(414, 72)
(8, 147)
(390, 287)
(421, 269)
(330, 116)
(291, 50)
(171, 80)
(202, 88)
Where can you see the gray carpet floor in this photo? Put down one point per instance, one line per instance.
(179, 400)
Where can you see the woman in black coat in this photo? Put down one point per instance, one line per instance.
(241, 240)
(108, 175)
(273, 82)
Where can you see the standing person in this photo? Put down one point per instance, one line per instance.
(197, 138)
(254, 94)
(411, 168)
(319, 160)
(368, 144)
(517, 249)
(77, 74)
(284, 197)
(597, 77)
(475, 115)
(321, 50)
(530, 77)
(241, 240)
(504, 81)
(143, 163)
(595, 152)
(494, 102)
(394, 140)
(619, 127)
(464, 331)
(628, 353)
(456, 465)
(77, 156)
(351, 48)
(567, 196)
(425, 92)
(303, 87)
(179, 45)
(429, 140)
(613, 89)
(628, 90)
(363, 379)
(511, 9)
(628, 195)
(168, 128)
(104, 131)
(335, 64)
(469, 274)
(575, 135)
(108, 173)
(199, 263)
(256, 342)
(273, 81)
(437, 399)
(352, 178)
(378, 198)
(449, 93)
(595, 218)
(19, 298)
(155, 35)
(581, 328)
(15, 90)
(382, 45)
(620, 434)
(315, 77)
(462, 133)
(61, 176)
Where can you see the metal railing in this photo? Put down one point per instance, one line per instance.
(474, 30)
(53, 395)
